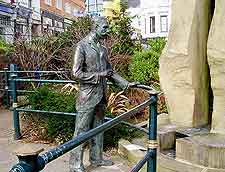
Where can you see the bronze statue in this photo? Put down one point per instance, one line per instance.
(92, 68)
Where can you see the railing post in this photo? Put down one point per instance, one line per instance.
(13, 85)
(152, 145)
(28, 160)
(7, 87)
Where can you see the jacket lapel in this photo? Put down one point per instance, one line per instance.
(97, 50)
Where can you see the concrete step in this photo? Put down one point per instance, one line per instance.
(132, 152)
(205, 149)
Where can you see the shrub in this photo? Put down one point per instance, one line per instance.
(57, 128)
(51, 52)
(52, 128)
(145, 64)
(122, 30)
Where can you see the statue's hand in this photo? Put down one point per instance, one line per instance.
(133, 84)
(107, 73)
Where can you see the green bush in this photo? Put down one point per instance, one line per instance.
(145, 64)
(5, 50)
(61, 128)
(57, 128)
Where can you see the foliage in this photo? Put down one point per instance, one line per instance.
(57, 128)
(69, 88)
(60, 128)
(5, 49)
(121, 29)
(121, 64)
(51, 52)
(157, 44)
(117, 103)
(145, 64)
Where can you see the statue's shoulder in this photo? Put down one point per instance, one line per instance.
(82, 43)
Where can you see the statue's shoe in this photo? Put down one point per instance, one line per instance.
(78, 170)
(101, 163)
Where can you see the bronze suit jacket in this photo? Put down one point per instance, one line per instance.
(89, 61)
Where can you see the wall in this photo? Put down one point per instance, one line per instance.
(36, 9)
(147, 9)
(74, 4)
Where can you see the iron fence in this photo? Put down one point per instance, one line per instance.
(34, 162)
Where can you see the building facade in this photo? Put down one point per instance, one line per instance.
(23, 19)
(56, 15)
(102, 7)
(6, 21)
(36, 18)
(151, 17)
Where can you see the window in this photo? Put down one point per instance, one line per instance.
(91, 1)
(29, 3)
(164, 23)
(99, 7)
(48, 2)
(5, 21)
(91, 8)
(68, 8)
(152, 24)
(145, 26)
(59, 4)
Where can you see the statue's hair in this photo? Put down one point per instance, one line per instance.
(97, 21)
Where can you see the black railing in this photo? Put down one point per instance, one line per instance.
(33, 162)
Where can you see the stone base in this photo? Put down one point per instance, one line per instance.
(166, 137)
(165, 162)
(168, 164)
(207, 150)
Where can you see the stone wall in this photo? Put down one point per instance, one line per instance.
(216, 60)
(184, 74)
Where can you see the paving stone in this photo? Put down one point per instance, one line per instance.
(8, 146)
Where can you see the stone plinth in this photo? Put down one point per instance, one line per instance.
(168, 164)
(166, 137)
(207, 150)
(216, 60)
(183, 64)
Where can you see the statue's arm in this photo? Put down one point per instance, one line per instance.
(118, 80)
(78, 68)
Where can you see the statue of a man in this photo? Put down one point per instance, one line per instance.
(92, 68)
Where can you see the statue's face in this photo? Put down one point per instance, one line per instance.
(102, 28)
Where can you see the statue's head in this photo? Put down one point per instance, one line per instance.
(100, 27)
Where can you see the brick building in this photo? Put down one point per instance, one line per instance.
(57, 14)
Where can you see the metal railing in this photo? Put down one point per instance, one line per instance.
(34, 162)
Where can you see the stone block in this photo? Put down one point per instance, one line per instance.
(166, 137)
(207, 150)
(216, 60)
(167, 164)
(183, 63)
(134, 153)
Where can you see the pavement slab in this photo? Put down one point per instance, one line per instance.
(8, 145)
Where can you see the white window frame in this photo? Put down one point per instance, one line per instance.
(68, 8)
(162, 25)
(152, 23)
(59, 4)
(48, 2)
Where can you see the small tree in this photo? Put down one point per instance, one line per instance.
(122, 30)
